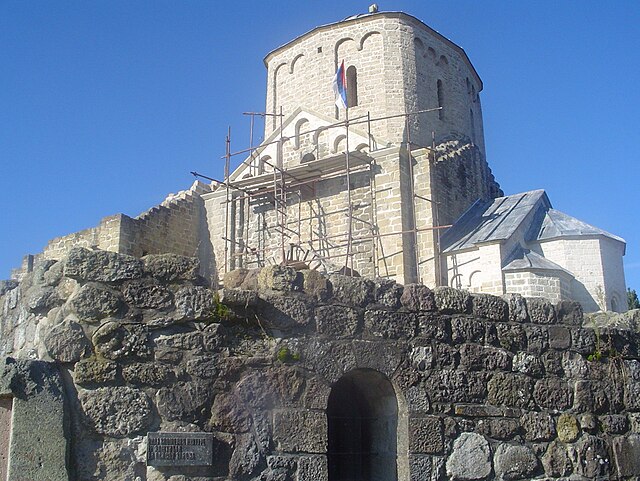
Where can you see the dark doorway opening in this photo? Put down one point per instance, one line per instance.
(362, 413)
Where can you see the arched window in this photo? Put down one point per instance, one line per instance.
(362, 416)
(352, 86)
(440, 99)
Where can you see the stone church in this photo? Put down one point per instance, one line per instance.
(374, 195)
(123, 360)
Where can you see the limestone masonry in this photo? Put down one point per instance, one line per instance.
(357, 301)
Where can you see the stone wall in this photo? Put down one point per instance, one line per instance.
(481, 387)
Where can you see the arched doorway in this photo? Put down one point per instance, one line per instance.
(362, 415)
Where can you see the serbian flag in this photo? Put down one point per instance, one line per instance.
(340, 87)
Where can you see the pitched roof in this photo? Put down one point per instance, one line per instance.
(492, 220)
(559, 224)
(498, 219)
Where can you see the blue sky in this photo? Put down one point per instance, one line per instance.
(105, 107)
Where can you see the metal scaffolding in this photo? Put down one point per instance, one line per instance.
(283, 189)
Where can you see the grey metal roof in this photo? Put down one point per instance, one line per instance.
(493, 220)
(525, 259)
(558, 224)
(498, 219)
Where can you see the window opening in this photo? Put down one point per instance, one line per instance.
(440, 99)
(352, 86)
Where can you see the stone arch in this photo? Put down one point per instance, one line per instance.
(352, 86)
(367, 36)
(275, 93)
(419, 47)
(321, 141)
(299, 128)
(337, 141)
(431, 53)
(336, 48)
(363, 147)
(475, 279)
(456, 281)
(363, 419)
(294, 61)
(442, 61)
(263, 167)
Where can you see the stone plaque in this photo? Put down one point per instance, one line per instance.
(179, 449)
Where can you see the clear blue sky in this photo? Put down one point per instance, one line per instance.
(106, 106)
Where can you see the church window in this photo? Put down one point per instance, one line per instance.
(352, 86)
(473, 126)
(308, 157)
(440, 99)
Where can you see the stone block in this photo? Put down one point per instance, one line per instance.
(286, 311)
(417, 297)
(94, 302)
(387, 293)
(626, 453)
(279, 278)
(569, 312)
(352, 291)
(95, 371)
(389, 324)
(489, 307)
(194, 303)
(338, 321)
(517, 307)
(470, 458)
(514, 462)
(103, 266)
(146, 295)
(452, 301)
(171, 268)
(312, 468)
(512, 390)
(568, 428)
(300, 431)
(553, 394)
(118, 411)
(66, 342)
(426, 435)
(559, 337)
(556, 461)
(465, 329)
(592, 457)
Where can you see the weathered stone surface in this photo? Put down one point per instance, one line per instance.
(146, 374)
(286, 311)
(528, 364)
(592, 458)
(145, 295)
(498, 428)
(556, 461)
(116, 411)
(279, 278)
(246, 457)
(538, 426)
(66, 342)
(315, 284)
(417, 297)
(541, 311)
(583, 341)
(433, 327)
(95, 301)
(338, 321)
(489, 307)
(379, 356)
(426, 435)
(228, 415)
(559, 337)
(456, 386)
(115, 340)
(312, 468)
(184, 401)
(552, 393)
(38, 420)
(239, 297)
(354, 291)
(111, 460)
(194, 303)
(569, 312)
(40, 299)
(514, 462)
(470, 459)
(511, 337)
(475, 357)
(7, 285)
(512, 390)
(568, 428)
(104, 266)
(389, 325)
(537, 339)
(465, 329)
(614, 423)
(626, 453)
(234, 279)
(452, 301)
(300, 431)
(387, 293)
(169, 268)
(95, 371)
(517, 307)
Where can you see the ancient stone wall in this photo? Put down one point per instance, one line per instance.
(468, 386)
